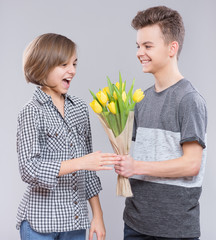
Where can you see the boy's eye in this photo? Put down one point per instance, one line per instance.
(147, 47)
(75, 64)
(138, 46)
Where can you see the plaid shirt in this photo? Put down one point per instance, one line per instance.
(44, 139)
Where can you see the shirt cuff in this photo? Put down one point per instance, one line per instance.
(48, 175)
(93, 186)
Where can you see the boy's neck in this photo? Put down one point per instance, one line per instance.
(167, 77)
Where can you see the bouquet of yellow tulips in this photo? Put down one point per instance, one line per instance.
(115, 109)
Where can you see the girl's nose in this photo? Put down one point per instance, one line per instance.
(72, 69)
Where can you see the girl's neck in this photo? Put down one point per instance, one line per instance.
(56, 96)
(57, 99)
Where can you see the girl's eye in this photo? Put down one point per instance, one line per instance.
(64, 64)
(147, 47)
(75, 64)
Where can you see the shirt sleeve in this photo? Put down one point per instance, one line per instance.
(193, 119)
(93, 184)
(33, 169)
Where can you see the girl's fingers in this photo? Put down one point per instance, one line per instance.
(104, 155)
(106, 168)
(108, 162)
(91, 234)
(111, 159)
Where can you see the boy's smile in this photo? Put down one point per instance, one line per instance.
(152, 52)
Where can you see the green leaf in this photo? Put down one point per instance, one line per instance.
(129, 95)
(109, 97)
(131, 107)
(110, 86)
(117, 91)
(121, 108)
(113, 124)
(93, 95)
(120, 83)
(124, 86)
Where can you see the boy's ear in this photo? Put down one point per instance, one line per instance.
(174, 46)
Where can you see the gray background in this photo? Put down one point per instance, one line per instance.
(106, 45)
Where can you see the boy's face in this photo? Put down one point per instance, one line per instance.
(60, 77)
(152, 52)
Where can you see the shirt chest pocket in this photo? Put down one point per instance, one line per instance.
(56, 140)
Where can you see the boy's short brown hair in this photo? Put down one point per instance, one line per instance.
(169, 21)
(43, 54)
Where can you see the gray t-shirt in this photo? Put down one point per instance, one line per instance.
(167, 207)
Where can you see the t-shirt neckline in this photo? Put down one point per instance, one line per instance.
(163, 91)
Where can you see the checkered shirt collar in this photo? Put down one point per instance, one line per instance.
(42, 97)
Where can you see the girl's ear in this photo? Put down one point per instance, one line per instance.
(173, 48)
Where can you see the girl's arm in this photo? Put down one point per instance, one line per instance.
(97, 224)
(94, 161)
(33, 169)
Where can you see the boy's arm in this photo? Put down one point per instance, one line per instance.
(97, 224)
(187, 165)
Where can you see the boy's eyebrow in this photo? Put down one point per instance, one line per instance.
(144, 43)
(76, 60)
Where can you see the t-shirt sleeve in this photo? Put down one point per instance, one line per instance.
(193, 119)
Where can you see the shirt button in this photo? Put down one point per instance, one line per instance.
(75, 188)
(56, 134)
(74, 174)
(75, 202)
(71, 144)
(76, 217)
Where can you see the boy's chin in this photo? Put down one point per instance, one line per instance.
(146, 70)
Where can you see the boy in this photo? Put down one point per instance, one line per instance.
(170, 138)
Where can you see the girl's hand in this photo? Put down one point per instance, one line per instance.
(98, 161)
(97, 226)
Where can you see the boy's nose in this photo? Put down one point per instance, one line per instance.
(140, 52)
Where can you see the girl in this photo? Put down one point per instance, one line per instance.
(55, 149)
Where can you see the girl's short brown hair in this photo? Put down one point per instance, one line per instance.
(43, 54)
(169, 21)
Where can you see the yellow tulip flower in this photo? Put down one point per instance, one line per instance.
(102, 97)
(106, 90)
(124, 96)
(96, 106)
(138, 95)
(118, 85)
(115, 95)
(112, 107)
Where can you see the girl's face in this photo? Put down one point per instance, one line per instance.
(60, 77)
